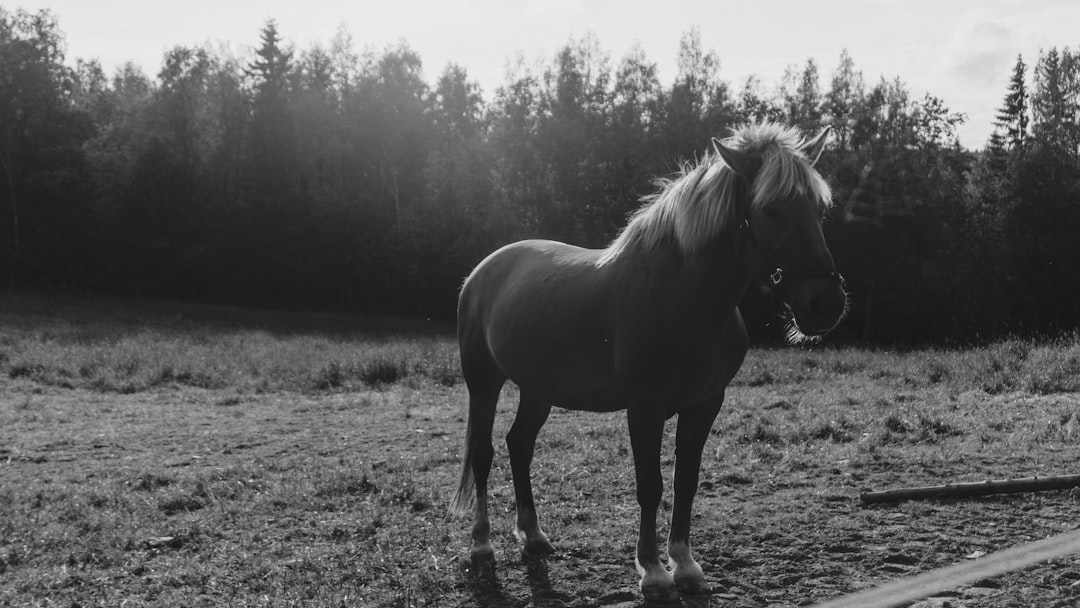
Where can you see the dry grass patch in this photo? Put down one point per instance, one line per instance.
(150, 460)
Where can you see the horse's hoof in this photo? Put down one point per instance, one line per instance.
(660, 593)
(692, 586)
(537, 548)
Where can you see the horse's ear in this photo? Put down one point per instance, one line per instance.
(742, 163)
(813, 148)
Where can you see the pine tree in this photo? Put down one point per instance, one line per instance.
(996, 152)
(271, 149)
(1054, 100)
(1012, 118)
(273, 65)
(270, 186)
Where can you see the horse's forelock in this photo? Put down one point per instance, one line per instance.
(785, 169)
(785, 173)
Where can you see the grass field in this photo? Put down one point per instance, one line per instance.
(154, 454)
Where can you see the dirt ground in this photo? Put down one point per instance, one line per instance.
(339, 499)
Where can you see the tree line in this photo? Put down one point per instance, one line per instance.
(334, 178)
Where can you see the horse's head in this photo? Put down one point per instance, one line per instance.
(781, 236)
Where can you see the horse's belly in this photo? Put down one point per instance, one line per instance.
(563, 374)
(593, 398)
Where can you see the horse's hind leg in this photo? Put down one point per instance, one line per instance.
(482, 403)
(484, 381)
(521, 442)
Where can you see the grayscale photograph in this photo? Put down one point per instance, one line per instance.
(539, 304)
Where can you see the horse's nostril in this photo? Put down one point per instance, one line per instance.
(818, 306)
(820, 309)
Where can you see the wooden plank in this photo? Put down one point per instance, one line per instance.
(976, 488)
(901, 592)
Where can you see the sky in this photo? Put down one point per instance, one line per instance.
(962, 52)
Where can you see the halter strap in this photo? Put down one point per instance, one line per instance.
(777, 276)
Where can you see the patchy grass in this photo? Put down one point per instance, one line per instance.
(1015, 365)
(209, 460)
(107, 352)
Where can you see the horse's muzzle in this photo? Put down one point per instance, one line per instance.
(817, 304)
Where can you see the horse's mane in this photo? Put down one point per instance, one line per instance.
(700, 202)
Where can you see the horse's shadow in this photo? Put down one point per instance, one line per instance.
(487, 592)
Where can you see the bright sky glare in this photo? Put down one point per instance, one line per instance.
(960, 51)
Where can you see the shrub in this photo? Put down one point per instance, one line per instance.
(1054, 370)
(382, 370)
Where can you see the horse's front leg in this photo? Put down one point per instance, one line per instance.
(693, 431)
(646, 435)
(521, 443)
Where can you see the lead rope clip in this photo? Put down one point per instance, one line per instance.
(777, 276)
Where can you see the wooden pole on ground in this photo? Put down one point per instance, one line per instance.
(977, 488)
(908, 590)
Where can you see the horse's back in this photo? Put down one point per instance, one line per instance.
(548, 270)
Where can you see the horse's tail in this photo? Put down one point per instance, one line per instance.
(465, 499)
(484, 380)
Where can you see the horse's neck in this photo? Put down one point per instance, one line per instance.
(719, 275)
(715, 278)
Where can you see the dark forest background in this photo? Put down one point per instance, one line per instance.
(337, 179)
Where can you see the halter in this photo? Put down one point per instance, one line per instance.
(777, 276)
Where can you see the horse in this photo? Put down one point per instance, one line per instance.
(650, 324)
